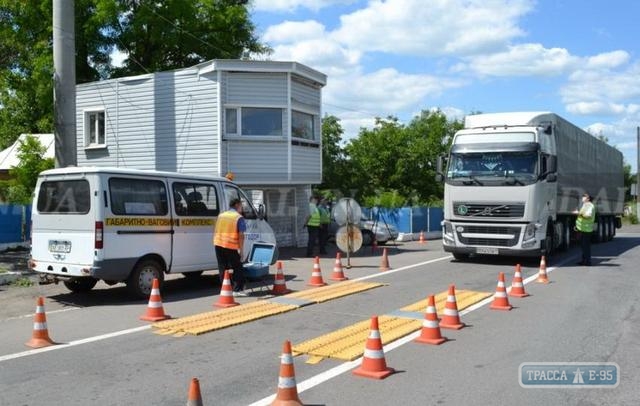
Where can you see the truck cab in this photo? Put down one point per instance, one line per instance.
(504, 193)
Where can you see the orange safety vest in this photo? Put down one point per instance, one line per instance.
(226, 233)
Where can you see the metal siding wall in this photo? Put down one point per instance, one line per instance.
(256, 161)
(305, 97)
(306, 163)
(167, 122)
(256, 89)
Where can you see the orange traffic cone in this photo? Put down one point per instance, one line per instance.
(316, 274)
(430, 333)
(517, 287)
(500, 299)
(373, 362)
(338, 273)
(384, 263)
(279, 284)
(542, 274)
(194, 399)
(287, 388)
(226, 293)
(40, 337)
(451, 318)
(155, 311)
(422, 239)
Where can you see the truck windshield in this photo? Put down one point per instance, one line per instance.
(509, 168)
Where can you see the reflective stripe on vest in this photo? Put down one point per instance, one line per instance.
(325, 216)
(585, 224)
(314, 218)
(226, 233)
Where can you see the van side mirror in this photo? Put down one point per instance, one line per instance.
(552, 177)
(262, 212)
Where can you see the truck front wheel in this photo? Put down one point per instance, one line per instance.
(141, 279)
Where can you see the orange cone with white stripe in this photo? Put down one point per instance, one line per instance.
(316, 274)
(517, 287)
(384, 263)
(500, 299)
(338, 273)
(40, 337)
(373, 362)
(287, 388)
(422, 240)
(542, 273)
(226, 293)
(430, 333)
(155, 311)
(279, 284)
(194, 399)
(451, 317)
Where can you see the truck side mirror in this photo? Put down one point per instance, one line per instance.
(552, 177)
(440, 164)
(552, 164)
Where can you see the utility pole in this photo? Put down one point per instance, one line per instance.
(638, 172)
(64, 82)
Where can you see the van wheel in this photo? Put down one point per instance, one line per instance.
(141, 279)
(79, 285)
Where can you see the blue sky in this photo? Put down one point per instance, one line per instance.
(579, 59)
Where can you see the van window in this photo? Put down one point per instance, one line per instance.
(138, 196)
(64, 197)
(195, 199)
(248, 211)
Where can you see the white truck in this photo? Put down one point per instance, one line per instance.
(514, 180)
(127, 225)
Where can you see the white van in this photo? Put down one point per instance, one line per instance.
(124, 225)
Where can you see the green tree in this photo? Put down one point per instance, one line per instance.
(334, 161)
(396, 159)
(23, 177)
(171, 34)
(157, 35)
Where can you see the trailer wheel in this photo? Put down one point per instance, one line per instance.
(80, 285)
(141, 279)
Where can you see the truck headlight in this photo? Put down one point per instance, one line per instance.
(530, 231)
(447, 232)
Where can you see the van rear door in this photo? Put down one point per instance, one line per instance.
(63, 225)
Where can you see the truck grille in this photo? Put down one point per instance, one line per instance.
(506, 210)
(493, 242)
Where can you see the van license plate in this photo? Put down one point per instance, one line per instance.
(60, 246)
(486, 250)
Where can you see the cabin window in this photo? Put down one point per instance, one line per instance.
(135, 197)
(254, 121)
(94, 129)
(302, 125)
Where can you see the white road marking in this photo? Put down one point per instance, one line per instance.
(24, 316)
(73, 343)
(347, 366)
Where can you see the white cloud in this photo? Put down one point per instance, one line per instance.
(385, 91)
(608, 60)
(292, 5)
(436, 27)
(294, 31)
(523, 60)
(603, 91)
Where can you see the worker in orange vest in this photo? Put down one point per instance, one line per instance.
(228, 240)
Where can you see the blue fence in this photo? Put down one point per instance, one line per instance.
(408, 219)
(15, 221)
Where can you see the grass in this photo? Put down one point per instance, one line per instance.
(3, 269)
(22, 282)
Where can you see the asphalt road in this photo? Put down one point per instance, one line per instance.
(583, 315)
